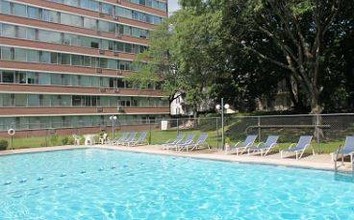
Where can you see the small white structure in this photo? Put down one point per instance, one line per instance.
(176, 107)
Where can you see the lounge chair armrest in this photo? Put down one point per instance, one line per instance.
(259, 144)
(237, 144)
(292, 145)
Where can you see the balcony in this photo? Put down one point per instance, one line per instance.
(71, 29)
(65, 48)
(69, 90)
(66, 111)
(55, 68)
(84, 12)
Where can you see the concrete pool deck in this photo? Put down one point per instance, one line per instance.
(320, 161)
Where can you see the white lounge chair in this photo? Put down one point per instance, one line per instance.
(195, 145)
(299, 147)
(265, 147)
(241, 147)
(346, 150)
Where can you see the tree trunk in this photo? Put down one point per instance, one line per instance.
(316, 110)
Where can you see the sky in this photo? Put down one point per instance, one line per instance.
(172, 6)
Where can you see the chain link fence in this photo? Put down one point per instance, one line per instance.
(326, 128)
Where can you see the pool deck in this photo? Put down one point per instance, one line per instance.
(321, 161)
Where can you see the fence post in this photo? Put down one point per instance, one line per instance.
(149, 131)
(259, 128)
(217, 133)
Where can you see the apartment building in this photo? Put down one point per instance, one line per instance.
(64, 63)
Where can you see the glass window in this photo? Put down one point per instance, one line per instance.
(20, 55)
(31, 34)
(56, 79)
(103, 63)
(8, 30)
(49, 36)
(54, 58)
(33, 12)
(72, 20)
(85, 81)
(7, 99)
(107, 9)
(76, 100)
(77, 60)
(72, 2)
(19, 10)
(33, 56)
(33, 100)
(20, 77)
(66, 79)
(7, 53)
(20, 99)
(44, 78)
(46, 100)
(8, 77)
(31, 78)
(5, 7)
(64, 59)
(112, 64)
(103, 26)
(21, 32)
(89, 4)
(51, 16)
(90, 23)
(45, 57)
(75, 80)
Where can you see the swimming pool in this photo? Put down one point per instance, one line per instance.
(106, 184)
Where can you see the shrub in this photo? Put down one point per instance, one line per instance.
(67, 141)
(3, 144)
(54, 140)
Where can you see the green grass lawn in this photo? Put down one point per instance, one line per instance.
(157, 137)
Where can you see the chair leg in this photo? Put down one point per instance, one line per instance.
(281, 154)
(342, 159)
(296, 155)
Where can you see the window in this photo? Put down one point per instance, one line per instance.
(103, 26)
(33, 56)
(90, 23)
(54, 58)
(50, 16)
(7, 77)
(33, 12)
(33, 100)
(72, 20)
(20, 77)
(64, 59)
(21, 32)
(45, 57)
(31, 34)
(5, 7)
(20, 55)
(8, 30)
(7, 53)
(19, 10)
(89, 4)
(49, 36)
(20, 99)
(77, 60)
(72, 2)
(107, 9)
(44, 78)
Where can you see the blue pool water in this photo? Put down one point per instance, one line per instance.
(105, 184)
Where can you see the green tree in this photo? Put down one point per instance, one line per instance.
(181, 53)
(293, 35)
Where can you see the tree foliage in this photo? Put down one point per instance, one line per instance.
(241, 49)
